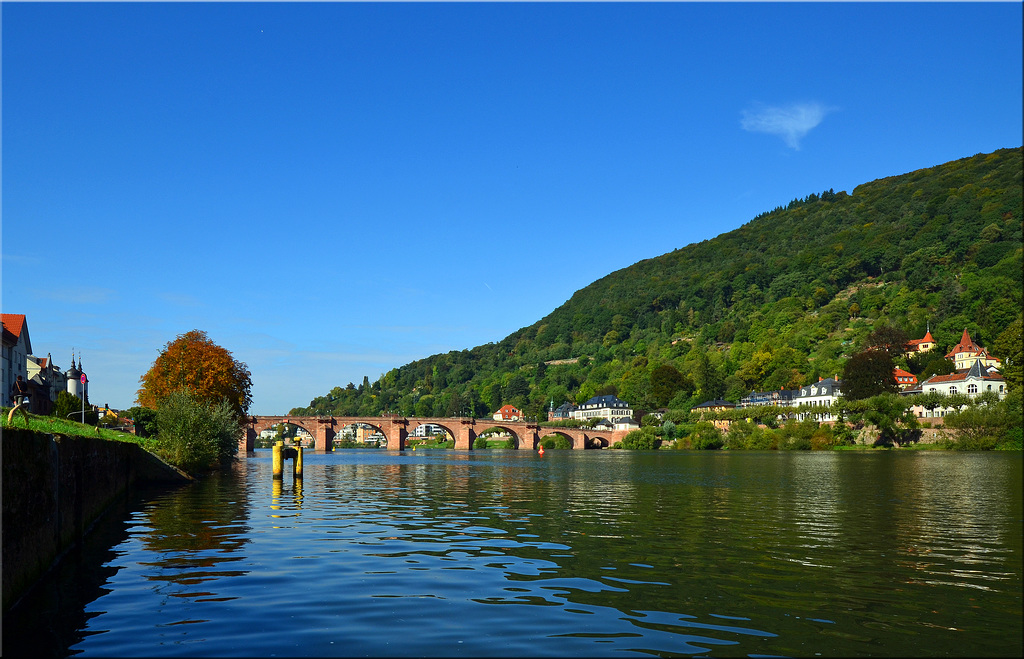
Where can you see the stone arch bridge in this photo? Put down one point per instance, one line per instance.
(395, 429)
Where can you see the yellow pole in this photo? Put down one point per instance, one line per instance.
(297, 463)
(277, 459)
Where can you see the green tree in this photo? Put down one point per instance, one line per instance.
(195, 435)
(1009, 347)
(144, 419)
(643, 439)
(889, 339)
(891, 414)
(868, 374)
(706, 437)
(69, 406)
(425, 406)
(666, 380)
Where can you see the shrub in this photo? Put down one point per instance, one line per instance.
(824, 438)
(643, 439)
(196, 436)
(555, 442)
(480, 442)
(145, 420)
(706, 437)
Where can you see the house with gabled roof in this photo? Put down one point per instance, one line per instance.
(508, 413)
(17, 346)
(967, 352)
(921, 345)
(904, 379)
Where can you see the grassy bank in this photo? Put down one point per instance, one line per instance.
(54, 426)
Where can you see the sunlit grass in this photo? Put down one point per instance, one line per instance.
(55, 426)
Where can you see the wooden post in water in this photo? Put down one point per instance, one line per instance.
(297, 465)
(278, 447)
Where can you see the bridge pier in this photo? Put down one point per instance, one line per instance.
(396, 430)
(247, 442)
(465, 436)
(323, 439)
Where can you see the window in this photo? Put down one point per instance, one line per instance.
(972, 388)
(953, 391)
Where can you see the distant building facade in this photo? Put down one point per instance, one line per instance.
(779, 398)
(603, 407)
(814, 401)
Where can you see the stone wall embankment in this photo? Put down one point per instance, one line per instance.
(54, 488)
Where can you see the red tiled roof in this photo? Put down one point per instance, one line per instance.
(959, 377)
(13, 325)
(903, 376)
(927, 339)
(965, 345)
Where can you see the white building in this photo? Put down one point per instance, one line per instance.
(814, 401)
(973, 382)
(603, 407)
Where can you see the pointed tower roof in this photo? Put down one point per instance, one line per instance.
(965, 345)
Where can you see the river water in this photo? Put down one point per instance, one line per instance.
(573, 553)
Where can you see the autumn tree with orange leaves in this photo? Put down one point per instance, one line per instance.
(194, 363)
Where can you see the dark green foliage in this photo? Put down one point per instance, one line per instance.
(69, 406)
(868, 374)
(145, 420)
(194, 435)
(706, 437)
(779, 302)
(555, 442)
(666, 381)
(643, 439)
(984, 423)
(1009, 346)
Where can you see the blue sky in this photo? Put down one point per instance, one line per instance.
(334, 190)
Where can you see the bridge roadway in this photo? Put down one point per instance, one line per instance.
(526, 435)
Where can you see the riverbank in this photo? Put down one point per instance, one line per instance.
(55, 487)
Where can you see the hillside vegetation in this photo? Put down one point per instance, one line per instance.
(777, 303)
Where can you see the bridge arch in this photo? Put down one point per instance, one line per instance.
(448, 428)
(518, 442)
(359, 432)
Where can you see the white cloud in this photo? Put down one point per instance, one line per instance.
(791, 122)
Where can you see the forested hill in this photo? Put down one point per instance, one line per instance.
(779, 302)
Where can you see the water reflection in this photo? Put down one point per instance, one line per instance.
(596, 553)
